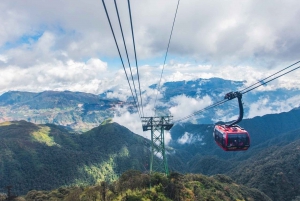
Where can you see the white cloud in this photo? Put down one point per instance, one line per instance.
(71, 75)
(266, 106)
(96, 64)
(130, 121)
(231, 40)
(3, 58)
(69, 46)
(189, 138)
(185, 106)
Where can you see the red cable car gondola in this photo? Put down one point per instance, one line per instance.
(232, 137)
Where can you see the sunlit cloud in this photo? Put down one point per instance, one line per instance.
(267, 106)
(189, 138)
(185, 106)
(69, 46)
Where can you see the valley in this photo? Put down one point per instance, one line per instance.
(70, 140)
(32, 154)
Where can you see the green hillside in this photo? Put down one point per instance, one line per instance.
(47, 156)
(134, 186)
(273, 167)
(201, 154)
(274, 171)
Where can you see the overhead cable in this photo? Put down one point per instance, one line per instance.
(120, 56)
(136, 64)
(261, 81)
(246, 90)
(120, 24)
(158, 86)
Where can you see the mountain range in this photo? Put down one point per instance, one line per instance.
(52, 139)
(83, 111)
(74, 110)
(32, 154)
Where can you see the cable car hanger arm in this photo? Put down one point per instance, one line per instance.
(231, 95)
(238, 95)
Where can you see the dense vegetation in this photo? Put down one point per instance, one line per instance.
(47, 156)
(31, 154)
(134, 186)
(275, 171)
(271, 164)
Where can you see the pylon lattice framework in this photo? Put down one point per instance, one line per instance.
(158, 125)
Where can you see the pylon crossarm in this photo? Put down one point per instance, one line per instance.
(157, 125)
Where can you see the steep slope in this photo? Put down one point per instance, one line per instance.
(274, 171)
(272, 166)
(196, 150)
(47, 156)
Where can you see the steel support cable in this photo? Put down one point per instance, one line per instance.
(158, 86)
(270, 76)
(202, 110)
(120, 24)
(271, 80)
(120, 55)
(136, 64)
(253, 87)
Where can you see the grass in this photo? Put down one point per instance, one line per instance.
(42, 136)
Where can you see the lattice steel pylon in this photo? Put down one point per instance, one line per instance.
(158, 125)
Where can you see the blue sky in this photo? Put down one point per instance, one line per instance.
(53, 44)
(68, 45)
(60, 45)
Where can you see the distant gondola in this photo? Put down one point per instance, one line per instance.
(232, 137)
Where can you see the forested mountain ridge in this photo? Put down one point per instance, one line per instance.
(31, 154)
(192, 139)
(273, 153)
(47, 156)
(274, 171)
(134, 186)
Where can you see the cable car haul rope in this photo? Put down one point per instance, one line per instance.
(229, 137)
(232, 137)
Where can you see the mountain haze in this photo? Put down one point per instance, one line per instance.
(76, 110)
(40, 150)
(83, 111)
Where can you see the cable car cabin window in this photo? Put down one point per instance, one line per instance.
(238, 140)
(219, 137)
